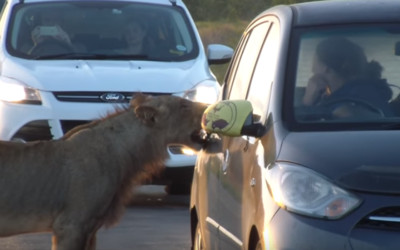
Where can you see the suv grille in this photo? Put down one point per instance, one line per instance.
(40, 130)
(98, 97)
(382, 219)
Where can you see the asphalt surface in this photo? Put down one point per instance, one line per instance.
(153, 220)
(153, 195)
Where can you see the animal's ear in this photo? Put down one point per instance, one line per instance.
(146, 114)
(138, 99)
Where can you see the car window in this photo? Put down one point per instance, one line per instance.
(244, 61)
(347, 75)
(260, 88)
(101, 30)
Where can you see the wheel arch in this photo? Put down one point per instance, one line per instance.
(194, 219)
(254, 237)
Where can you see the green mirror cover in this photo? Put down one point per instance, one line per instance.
(226, 117)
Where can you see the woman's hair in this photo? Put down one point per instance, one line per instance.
(347, 58)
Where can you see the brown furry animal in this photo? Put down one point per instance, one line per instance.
(75, 185)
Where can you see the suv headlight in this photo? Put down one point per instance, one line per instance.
(205, 92)
(13, 91)
(303, 191)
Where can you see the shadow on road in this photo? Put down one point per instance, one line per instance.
(155, 195)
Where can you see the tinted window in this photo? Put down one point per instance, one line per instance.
(345, 77)
(99, 30)
(245, 60)
(264, 73)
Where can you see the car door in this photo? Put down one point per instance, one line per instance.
(251, 79)
(210, 162)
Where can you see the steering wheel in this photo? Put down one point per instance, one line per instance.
(51, 46)
(351, 108)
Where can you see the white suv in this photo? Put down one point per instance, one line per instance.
(65, 63)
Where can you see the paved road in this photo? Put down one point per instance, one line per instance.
(153, 221)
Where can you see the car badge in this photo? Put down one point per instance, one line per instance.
(112, 97)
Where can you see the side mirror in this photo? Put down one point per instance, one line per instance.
(219, 54)
(232, 118)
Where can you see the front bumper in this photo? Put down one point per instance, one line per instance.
(52, 119)
(287, 231)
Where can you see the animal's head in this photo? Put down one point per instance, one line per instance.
(178, 119)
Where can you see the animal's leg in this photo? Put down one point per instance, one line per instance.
(92, 242)
(73, 239)
(53, 242)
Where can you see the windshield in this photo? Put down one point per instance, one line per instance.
(346, 77)
(101, 30)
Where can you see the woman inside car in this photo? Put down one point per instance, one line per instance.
(345, 82)
(136, 38)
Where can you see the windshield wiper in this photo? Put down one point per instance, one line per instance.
(91, 56)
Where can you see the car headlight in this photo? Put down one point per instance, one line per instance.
(13, 91)
(303, 191)
(205, 92)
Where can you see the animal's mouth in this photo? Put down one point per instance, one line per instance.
(199, 137)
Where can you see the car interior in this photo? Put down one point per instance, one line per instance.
(380, 43)
(95, 28)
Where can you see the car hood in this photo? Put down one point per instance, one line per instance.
(359, 160)
(93, 75)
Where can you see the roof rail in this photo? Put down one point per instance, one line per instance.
(173, 2)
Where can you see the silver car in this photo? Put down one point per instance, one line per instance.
(303, 150)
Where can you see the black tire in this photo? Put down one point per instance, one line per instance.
(179, 180)
(179, 188)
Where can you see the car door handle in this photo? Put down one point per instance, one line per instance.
(225, 162)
